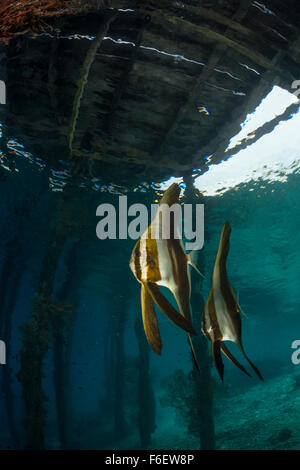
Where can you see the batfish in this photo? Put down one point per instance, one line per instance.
(156, 261)
(221, 320)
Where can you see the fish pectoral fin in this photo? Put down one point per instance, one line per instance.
(150, 321)
(236, 296)
(191, 262)
(251, 363)
(168, 309)
(216, 354)
(232, 359)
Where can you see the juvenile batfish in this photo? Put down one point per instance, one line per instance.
(221, 320)
(156, 261)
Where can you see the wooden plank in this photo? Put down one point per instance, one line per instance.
(84, 74)
(256, 57)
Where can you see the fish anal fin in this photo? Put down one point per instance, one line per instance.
(194, 353)
(216, 354)
(251, 363)
(192, 263)
(232, 359)
(168, 309)
(150, 321)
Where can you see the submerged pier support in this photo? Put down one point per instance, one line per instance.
(36, 341)
(203, 417)
(146, 397)
(115, 362)
(202, 420)
(119, 328)
(15, 259)
(38, 333)
(63, 329)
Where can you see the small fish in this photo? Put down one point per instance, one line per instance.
(221, 320)
(163, 262)
(203, 109)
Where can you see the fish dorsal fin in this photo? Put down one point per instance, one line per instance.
(171, 195)
(192, 263)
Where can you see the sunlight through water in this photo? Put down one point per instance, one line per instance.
(271, 158)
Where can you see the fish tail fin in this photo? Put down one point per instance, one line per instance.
(251, 363)
(150, 321)
(216, 354)
(196, 362)
(229, 356)
(192, 263)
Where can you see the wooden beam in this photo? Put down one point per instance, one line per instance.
(256, 57)
(182, 112)
(84, 74)
(121, 86)
(52, 77)
(215, 57)
(213, 15)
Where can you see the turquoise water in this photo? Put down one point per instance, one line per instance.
(263, 266)
(77, 371)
